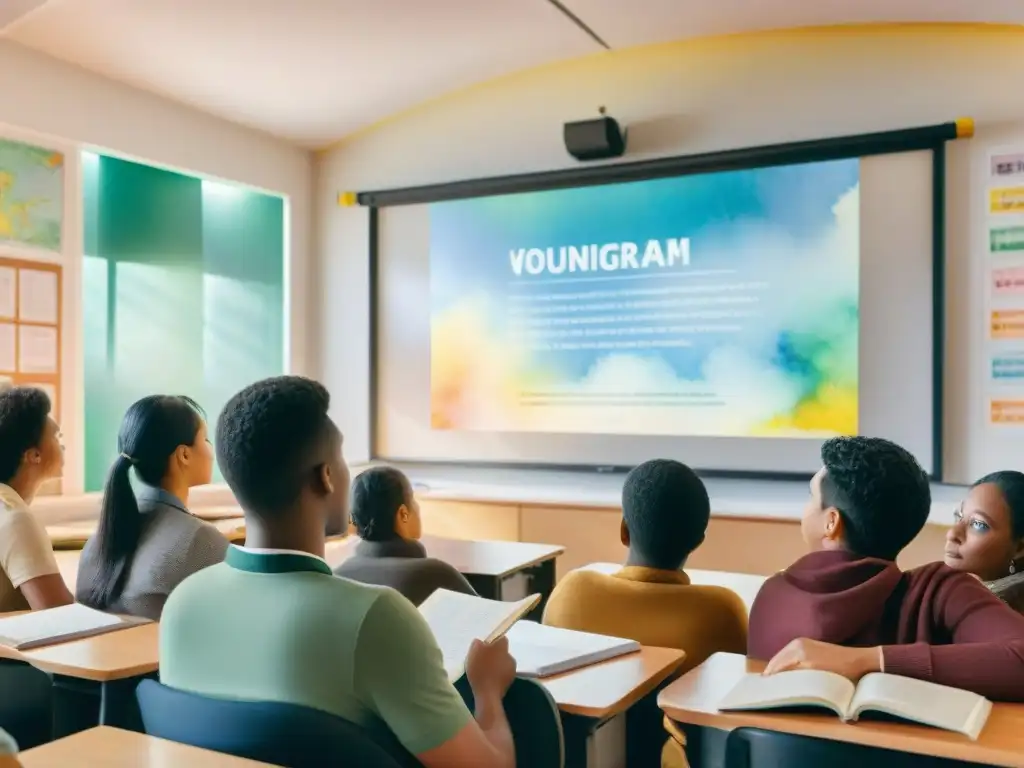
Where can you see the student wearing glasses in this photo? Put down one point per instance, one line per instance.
(987, 536)
(847, 607)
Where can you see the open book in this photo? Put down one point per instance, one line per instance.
(36, 629)
(457, 620)
(926, 703)
(541, 651)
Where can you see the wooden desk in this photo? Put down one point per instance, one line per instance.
(105, 667)
(595, 700)
(743, 584)
(693, 700)
(499, 570)
(603, 690)
(130, 652)
(114, 748)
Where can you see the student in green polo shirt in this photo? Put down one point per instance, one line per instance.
(272, 623)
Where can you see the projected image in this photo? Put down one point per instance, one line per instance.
(718, 304)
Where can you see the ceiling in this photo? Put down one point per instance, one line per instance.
(313, 71)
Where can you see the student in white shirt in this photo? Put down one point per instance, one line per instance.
(30, 454)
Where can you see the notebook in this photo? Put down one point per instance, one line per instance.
(542, 651)
(927, 703)
(37, 629)
(457, 620)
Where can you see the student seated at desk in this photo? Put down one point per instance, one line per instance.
(847, 607)
(987, 536)
(30, 454)
(272, 623)
(147, 542)
(387, 519)
(665, 513)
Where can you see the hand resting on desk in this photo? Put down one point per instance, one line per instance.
(802, 653)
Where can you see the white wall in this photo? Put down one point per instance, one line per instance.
(694, 97)
(53, 103)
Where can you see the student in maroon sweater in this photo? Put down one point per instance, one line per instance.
(847, 607)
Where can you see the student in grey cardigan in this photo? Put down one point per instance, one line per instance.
(147, 542)
(387, 519)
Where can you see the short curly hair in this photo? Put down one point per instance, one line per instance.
(666, 509)
(880, 491)
(270, 436)
(23, 415)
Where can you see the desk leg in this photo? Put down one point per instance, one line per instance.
(118, 705)
(542, 580)
(591, 743)
(82, 704)
(485, 586)
(75, 705)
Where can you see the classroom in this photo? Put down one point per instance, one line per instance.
(674, 351)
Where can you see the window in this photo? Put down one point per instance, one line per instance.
(184, 293)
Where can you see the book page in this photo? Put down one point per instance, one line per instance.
(53, 623)
(800, 687)
(928, 703)
(457, 620)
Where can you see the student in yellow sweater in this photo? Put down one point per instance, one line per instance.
(665, 513)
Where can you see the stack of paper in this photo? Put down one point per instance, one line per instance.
(58, 625)
(541, 651)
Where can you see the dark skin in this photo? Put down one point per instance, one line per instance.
(323, 499)
(490, 669)
(981, 540)
(638, 558)
(38, 465)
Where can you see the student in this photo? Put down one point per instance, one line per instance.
(274, 623)
(387, 519)
(30, 454)
(147, 542)
(847, 607)
(987, 536)
(665, 513)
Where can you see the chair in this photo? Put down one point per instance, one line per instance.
(288, 735)
(26, 703)
(755, 748)
(534, 720)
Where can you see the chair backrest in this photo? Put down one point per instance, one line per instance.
(534, 721)
(272, 732)
(755, 748)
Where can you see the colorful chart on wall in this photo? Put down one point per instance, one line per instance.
(31, 195)
(30, 326)
(1004, 309)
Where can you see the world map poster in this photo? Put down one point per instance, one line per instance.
(31, 195)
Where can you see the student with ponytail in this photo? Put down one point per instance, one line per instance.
(147, 542)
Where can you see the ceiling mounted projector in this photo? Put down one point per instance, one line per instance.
(596, 139)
